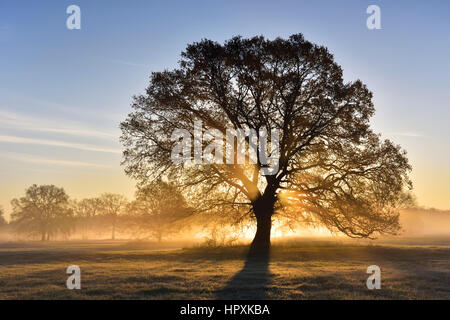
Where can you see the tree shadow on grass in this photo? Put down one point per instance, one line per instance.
(249, 283)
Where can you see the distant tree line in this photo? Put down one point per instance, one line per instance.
(46, 212)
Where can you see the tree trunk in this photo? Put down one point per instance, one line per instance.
(113, 232)
(262, 236)
(263, 213)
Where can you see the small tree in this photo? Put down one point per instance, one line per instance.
(44, 210)
(2, 218)
(85, 212)
(112, 205)
(159, 208)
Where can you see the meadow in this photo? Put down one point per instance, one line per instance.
(300, 269)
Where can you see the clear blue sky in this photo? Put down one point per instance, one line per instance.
(63, 92)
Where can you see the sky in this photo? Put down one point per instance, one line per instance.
(64, 92)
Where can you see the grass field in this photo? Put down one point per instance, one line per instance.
(298, 270)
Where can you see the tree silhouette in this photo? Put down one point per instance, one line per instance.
(112, 205)
(2, 218)
(85, 211)
(159, 208)
(332, 167)
(44, 210)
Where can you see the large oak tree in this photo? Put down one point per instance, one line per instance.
(333, 168)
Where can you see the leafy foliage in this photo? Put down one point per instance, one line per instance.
(44, 210)
(334, 169)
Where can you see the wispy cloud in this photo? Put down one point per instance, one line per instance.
(38, 160)
(406, 134)
(128, 63)
(21, 122)
(16, 100)
(55, 143)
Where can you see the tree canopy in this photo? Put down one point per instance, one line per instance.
(112, 205)
(44, 210)
(333, 169)
(159, 208)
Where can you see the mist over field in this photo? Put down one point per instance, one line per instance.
(425, 222)
(416, 224)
